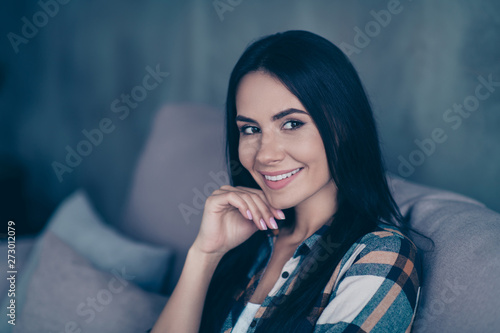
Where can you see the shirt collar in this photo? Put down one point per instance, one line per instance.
(306, 245)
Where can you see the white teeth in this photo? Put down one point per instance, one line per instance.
(283, 176)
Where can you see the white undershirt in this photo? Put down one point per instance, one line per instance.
(246, 318)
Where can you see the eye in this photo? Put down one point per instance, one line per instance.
(294, 124)
(289, 125)
(243, 130)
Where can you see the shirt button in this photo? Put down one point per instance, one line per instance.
(253, 323)
(285, 275)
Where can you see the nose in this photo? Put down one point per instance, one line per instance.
(270, 150)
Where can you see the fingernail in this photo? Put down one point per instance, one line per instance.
(272, 221)
(249, 214)
(281, 214)
(263, 224)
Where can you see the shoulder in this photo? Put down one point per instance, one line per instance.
(384, 254)
(386, 242)
(378, 272)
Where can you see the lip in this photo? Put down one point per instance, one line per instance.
(276, 173)
(277, 185)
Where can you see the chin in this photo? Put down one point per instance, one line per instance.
(282, 203)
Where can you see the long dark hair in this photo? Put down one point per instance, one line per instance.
(326, 83)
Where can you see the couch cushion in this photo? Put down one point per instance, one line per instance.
(24, 247)
(181, 165)
(76, 222)
(460, 276)
(68, 293)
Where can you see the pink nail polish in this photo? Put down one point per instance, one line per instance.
(250, 217)
(281, 214)
(263, 224)
(272, 221)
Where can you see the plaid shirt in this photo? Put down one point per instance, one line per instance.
(374, 288)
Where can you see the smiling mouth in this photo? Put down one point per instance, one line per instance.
(280, 181)
(283, 176)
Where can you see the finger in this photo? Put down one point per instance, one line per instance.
(246, 206)
(277, 213)
(227, 188)
(266, 213)
(259, 212)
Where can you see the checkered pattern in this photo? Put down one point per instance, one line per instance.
(374, 288)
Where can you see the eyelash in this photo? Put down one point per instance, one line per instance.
(299, 124)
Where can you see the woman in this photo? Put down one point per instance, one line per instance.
(308, 238)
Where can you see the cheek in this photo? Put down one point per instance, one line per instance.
(313, 153)
(246, 153)
(322, 162)
(310, 147)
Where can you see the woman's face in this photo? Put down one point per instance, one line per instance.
(279, 137)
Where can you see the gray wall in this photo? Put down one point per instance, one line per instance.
(415, 67)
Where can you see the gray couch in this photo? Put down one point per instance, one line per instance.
(182, 163)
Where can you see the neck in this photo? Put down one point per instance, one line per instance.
(312, 214)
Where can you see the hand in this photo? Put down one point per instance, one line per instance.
(225, 223)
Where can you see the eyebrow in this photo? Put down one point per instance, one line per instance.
(277, 116)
